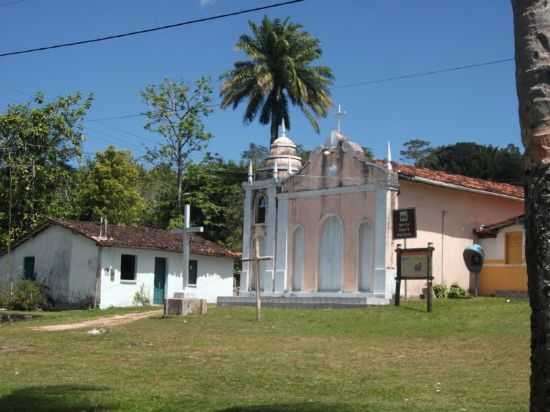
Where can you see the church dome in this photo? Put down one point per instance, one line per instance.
(283, 156)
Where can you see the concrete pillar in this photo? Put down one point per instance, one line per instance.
(381, 228)
(247, 245)
(281, 259)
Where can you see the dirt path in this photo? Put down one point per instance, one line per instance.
(105, 321)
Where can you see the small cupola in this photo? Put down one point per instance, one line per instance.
(283, 159)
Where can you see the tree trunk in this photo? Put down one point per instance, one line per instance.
(532, 42)
(275, 122)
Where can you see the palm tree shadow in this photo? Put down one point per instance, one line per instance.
(53, 398)
(292, 407)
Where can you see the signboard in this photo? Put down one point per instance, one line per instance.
(404, 223)
(414, 264)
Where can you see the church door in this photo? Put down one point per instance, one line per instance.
(330, 255)
(366, 257)
(298, 259)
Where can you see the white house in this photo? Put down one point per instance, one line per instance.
(80, 263)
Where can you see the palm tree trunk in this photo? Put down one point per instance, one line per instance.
(532, 42)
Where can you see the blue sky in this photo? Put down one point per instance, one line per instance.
(362, 40)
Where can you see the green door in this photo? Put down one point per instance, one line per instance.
(160, 280)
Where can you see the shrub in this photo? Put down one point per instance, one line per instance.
(455, 291)
(440, 291)
(26, 295)
(141, 297)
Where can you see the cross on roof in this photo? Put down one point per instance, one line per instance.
(339, 117)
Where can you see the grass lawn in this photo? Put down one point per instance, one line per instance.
(468, 355)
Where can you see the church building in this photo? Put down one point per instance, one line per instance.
(326, 224)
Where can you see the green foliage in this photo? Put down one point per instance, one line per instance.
(440, 290)
(177, 111)
(278, 72)
(110, 188)
(455, 291)
(256, 153)
(216, 198)
(22, 295)
(141, 298)
(475, 160)
(415, 150)
(39, 143)
(501, 164)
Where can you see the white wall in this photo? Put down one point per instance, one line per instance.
(51, 249)
(68, 262)
(495, 248)
(214, 276)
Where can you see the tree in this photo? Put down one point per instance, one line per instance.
(532, 44)
(39, 143)
(278, 70)
(216, 197)
(256, 153)
(415, 150)
(475, 160)
(110, 188)
(177, 111)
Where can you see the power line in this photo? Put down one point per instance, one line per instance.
(150, 30)
(426, 73)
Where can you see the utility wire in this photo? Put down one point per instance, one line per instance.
(426, 73)
(150, 30)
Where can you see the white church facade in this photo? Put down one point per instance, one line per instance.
(326, 224)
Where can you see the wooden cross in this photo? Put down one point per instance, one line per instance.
(187, 230)
(256, 269)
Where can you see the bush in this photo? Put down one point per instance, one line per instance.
(455, 291)
(141, 297)
(440, 291)
(26, 295)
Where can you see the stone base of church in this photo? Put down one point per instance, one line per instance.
(306, 300)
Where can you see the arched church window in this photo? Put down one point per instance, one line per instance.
(366, 257)
(298, 259)
(261, 208)
(331, 250)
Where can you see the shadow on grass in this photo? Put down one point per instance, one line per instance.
(292, 407)
(53, 398)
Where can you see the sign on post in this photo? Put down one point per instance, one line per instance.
(404, 223)
(415, 264)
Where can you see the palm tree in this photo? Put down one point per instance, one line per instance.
(278, 70)
(532, 39)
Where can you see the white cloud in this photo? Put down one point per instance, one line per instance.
(206, 2)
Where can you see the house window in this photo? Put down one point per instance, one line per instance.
(193, 267)
(514, 248)
(28, 268)
(261, 209)
(128, 268)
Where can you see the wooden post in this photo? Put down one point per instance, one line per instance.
(430, 277)
(398, 277)
(256, 268)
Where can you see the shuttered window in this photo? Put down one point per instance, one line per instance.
(514, 248)
(28, 268)
(193, 268)
(127, 268)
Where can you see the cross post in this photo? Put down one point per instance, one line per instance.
(187, 230)
(256, 269)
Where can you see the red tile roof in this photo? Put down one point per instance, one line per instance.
(459, 180)
(492, 230)
(140, 238)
